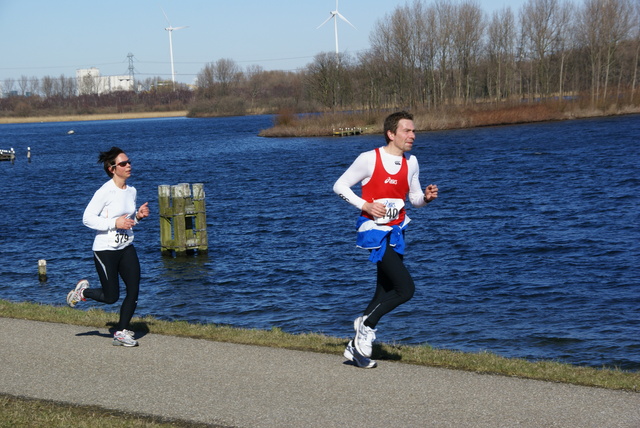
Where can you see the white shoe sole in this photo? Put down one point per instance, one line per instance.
(116, 342)
(362, 362)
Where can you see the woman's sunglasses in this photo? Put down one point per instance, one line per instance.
(122, 164)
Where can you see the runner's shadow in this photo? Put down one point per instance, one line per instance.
(95, 333)
(140, 328)
(386, 353)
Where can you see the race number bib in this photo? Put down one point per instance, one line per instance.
(117, 237)
(393, 207)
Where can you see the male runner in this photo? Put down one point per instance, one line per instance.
(388, 175)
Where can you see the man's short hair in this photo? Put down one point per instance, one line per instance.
(391, 122)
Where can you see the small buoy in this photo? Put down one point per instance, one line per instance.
(71, 132)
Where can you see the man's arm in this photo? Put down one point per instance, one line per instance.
(359, 170)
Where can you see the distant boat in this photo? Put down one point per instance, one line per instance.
(71, 132)
(7, 155)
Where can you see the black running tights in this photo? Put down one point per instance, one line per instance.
(394, 287)
(110, 264)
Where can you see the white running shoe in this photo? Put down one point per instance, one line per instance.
(351, 354)
(76, 295)
(129, 333)
(364, 337)
(124, 338)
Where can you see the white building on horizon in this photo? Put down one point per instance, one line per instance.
(89, 81)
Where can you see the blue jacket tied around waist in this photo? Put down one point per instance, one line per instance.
(372, 236)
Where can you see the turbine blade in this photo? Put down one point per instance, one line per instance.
(180, 28)
(326, 20)
(166, 17)
(346, 20)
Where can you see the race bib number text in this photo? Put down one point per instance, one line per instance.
(393, 208)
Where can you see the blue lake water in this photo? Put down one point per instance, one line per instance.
(532, 249)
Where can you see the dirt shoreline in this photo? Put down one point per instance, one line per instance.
(86, 117)
(322, 126)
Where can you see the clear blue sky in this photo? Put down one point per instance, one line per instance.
(56, 37)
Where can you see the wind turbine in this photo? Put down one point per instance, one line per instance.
(334, 14)
(171, 29)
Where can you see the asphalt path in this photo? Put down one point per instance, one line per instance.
(250, 386)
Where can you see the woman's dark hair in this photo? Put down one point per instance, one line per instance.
(108, 159)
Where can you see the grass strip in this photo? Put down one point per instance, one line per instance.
(26, 412)
(482, 362)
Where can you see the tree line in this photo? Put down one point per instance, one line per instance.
(424, 54)
(444, 52)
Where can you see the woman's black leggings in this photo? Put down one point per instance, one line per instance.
(394, 287)
(110, 264)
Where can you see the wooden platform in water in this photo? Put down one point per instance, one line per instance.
(7, 155)
(343, 132)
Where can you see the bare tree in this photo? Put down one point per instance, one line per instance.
(467, 39)
(34, 85)
(564, 40)
(501, 53)
(323, 79)
(541, 25)
(255, 78)
(379, 60)
(427, 43)
(369, 78)
(602, 25)
(617, 26)
(636, 41)
(217, 79)
(226, 73)
(47, 86)
(445, 27)
(88, 84)
(403, 53)
(23, 84)
(68, 86)
(205, 81)
(8, 86)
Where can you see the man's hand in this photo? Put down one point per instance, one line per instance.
(375, 209)
(430, 193)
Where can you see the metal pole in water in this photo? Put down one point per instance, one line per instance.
(42, 270)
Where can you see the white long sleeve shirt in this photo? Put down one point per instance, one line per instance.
(108, 203)
(361, 171)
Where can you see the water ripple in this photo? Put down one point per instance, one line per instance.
(531, 250)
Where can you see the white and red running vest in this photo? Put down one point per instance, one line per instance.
(388, 189)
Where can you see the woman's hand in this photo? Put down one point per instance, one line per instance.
(143, 211)
(124, 222)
